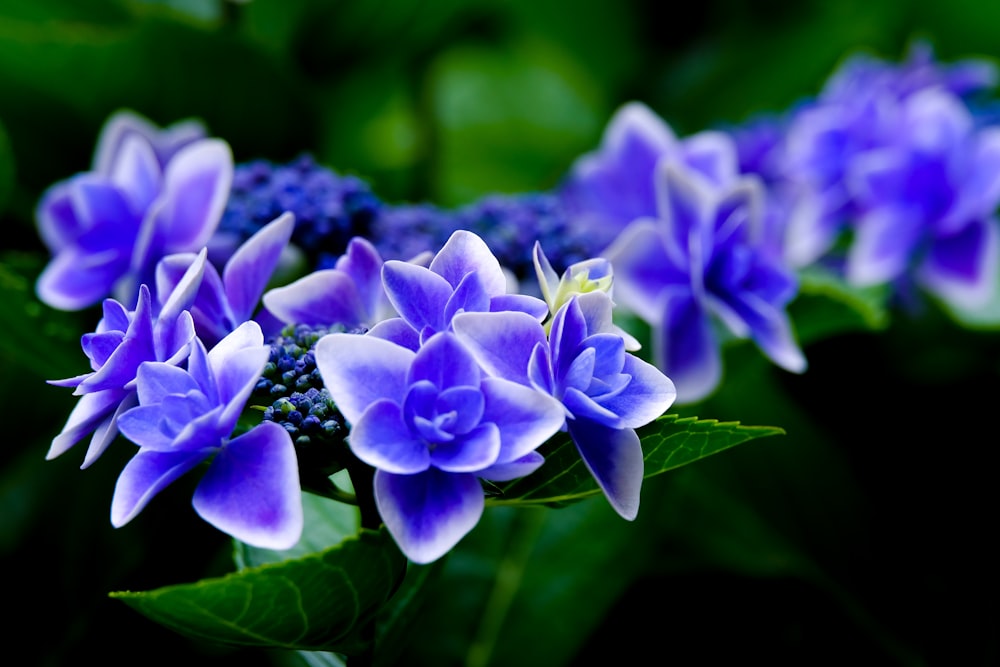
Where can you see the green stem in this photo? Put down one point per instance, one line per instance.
(363, 481)
(524, 533)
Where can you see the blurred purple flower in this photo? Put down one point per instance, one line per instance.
(250, 489)
(223, 303)
(122, 341)
(165, 141)
(149, 195)
(926, 201)
(698, 264)
(609, 188)
(869, 112)
(432, 424)
(606, 392)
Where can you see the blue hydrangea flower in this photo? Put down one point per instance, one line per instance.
(250, 489)
(609, 188)
(463, 276)
(122, 341)
(432, 424)
(107, 228)
(227, 301)
(926, 201)
(866, 106)
(697, 265)
(606, 392)
(349, 294)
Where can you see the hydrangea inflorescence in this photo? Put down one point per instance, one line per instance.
(410, 351)
(463, 387)
(892, 180)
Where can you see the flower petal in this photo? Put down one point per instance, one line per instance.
(88, 412)
(648, 395)
(196, 187)
(614, 458)
(144, 476)
(250, 268)
(359, 370)
(251, 489)
(428, 513)
(323, 297)
(419, 295)
(382, 439)
(476, 450)
(445, 362)
(526, 417)
(685, 346)
(961, 268)
(464, 253)
(504, 472)
(501, 342)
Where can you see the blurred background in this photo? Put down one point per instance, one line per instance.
(867, 532)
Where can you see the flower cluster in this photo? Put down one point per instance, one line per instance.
(466, 385)
(891, 163)
(439, 350)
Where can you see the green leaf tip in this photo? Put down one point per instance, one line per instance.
(316, 602)
(668, 442)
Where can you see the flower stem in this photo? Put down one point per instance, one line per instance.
(363, 481)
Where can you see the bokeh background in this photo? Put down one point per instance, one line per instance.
(866, 533)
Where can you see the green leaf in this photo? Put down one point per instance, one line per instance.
(318, 602)
(327, 524)
(827, 306)
(667, 443)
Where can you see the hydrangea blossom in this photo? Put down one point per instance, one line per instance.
(926, 201)
(463, 276)
(609, 188)
(223, 303)
(606, 392)
(697, 265)
(872, 114)
(432, 424)
(122, 341)
(148, 195)
(250, 489)
(349, 294)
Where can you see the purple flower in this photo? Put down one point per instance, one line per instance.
(108, 227)
(164, 141)
(926, 201)
(697, 265)
(606, 392)
(350, 294)
(877, 116)
(122, 341)
(463, 276)
(223, 303)
(250, 489)
(432, 424)
(616, 184)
